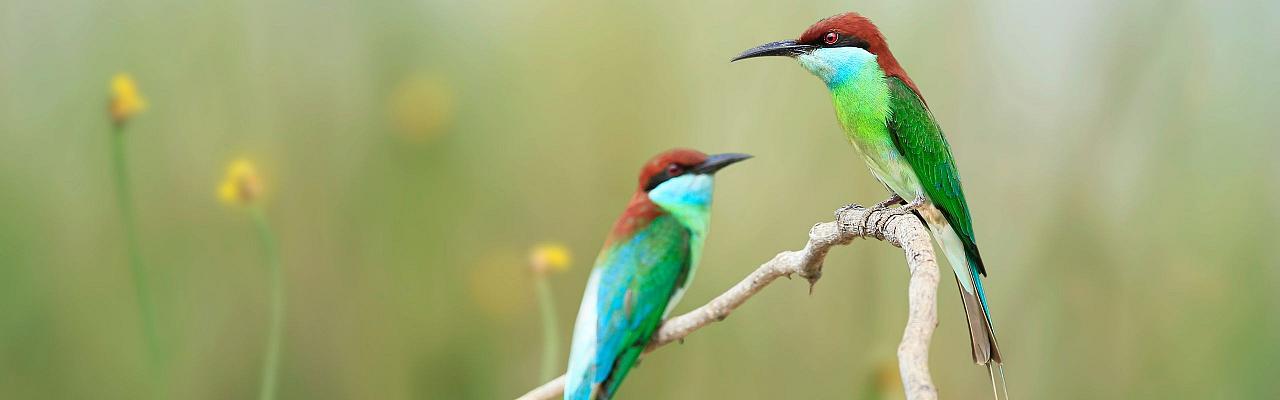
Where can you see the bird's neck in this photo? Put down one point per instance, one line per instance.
(688, 199)
(641, 213)
(862, 100)
(857, 84)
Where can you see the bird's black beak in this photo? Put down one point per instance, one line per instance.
(716, 162)
(787, 48)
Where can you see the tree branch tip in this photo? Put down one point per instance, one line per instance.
(813, 278)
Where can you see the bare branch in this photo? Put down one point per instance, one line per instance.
(904, 231)
(550, 390)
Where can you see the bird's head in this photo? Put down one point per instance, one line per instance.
(680, 182)
(836, 49)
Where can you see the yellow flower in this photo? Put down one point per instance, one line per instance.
(242, 185)
(421, 106)
(126, 101)
(549, 257)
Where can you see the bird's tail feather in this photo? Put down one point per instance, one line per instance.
(967, 265)
(1003, 387)
(985, 348)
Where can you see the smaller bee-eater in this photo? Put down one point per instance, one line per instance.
(647, 263)
(887, 120)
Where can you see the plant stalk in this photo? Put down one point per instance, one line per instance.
(550, 327)
(271, 359)
(141, 284)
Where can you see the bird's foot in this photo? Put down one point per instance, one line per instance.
(839, 214)
(846, 208)
(915, 204)
(881, 206)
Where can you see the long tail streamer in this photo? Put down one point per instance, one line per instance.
(1004, 387)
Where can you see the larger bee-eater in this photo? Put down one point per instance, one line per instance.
(647, 263)
(886, 118)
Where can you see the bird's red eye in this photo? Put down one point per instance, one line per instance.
(831, 38)
(673, 170)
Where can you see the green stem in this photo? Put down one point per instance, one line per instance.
(124, 199)
(550, 332)
(271, 360)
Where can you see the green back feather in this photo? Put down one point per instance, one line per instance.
(918, 138)
(640, 276)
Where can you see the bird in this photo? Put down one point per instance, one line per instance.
(887, 120)
(647, 262)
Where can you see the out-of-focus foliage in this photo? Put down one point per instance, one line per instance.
(1118, 159)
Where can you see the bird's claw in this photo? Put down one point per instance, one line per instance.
(846, 208)
(881, 206)
(915, 204)
(841, 216)
(866, 218)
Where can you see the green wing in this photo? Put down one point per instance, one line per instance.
(636, 285)
(918, 137)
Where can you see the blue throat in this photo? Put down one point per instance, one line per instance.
(836, 66)
(688, 199)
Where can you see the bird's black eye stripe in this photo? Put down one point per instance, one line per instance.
(843, 41)
(663, 176)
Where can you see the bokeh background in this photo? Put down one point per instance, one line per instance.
(1118, 158)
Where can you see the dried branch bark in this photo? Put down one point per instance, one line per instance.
(903, 231)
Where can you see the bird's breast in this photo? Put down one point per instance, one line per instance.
(862, 106)
(885, 162)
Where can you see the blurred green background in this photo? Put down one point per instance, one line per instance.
(1118, 157)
